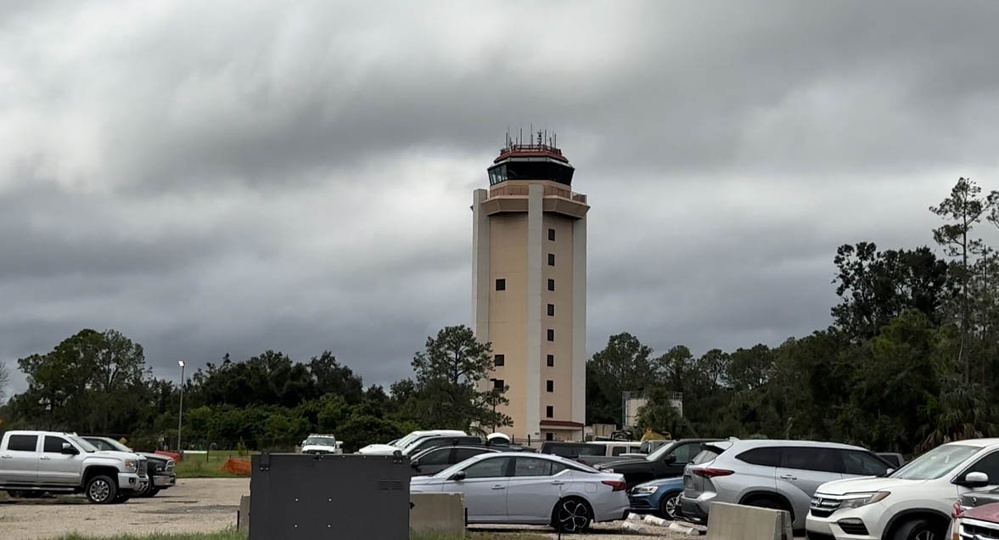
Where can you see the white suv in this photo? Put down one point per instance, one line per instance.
(913, 503)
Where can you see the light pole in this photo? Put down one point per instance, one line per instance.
(180, 418)
(493, 391)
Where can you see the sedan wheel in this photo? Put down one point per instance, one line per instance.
(572, 515)
(669, 506)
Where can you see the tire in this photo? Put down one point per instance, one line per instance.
(919, 529)
(571, 515)
(147, 491)
(101, 489)
(669, 505)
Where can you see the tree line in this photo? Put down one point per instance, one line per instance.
(98, 382)
(905, 365)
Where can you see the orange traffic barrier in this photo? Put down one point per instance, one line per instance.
(237, 466)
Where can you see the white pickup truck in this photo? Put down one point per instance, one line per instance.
(47, 461)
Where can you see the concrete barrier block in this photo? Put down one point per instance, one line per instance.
(243, 517)
(441, 513)
(738, 522)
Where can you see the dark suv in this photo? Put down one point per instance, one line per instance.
(666, 462)
(436, 459)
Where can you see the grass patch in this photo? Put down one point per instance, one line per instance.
(207, 465)
(224, 535)
(233, 535)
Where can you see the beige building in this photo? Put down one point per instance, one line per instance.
(529, 289)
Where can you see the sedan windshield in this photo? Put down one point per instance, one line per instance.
(661, 453)
(936, 463)
(83, 443)
(115, 444)
(405, 441)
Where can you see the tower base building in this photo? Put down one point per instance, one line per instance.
(529, 288)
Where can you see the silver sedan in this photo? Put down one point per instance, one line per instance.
(534, 489)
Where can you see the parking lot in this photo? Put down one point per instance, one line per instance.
(194, 505)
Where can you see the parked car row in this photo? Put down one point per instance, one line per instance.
(35, 463)
(831, 491)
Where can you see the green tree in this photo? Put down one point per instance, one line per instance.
(450, 373)
(331, 377)
(659, 415)
(962, 210)
(4, 381)
(876, 286)
(624, 365)
(118, 385)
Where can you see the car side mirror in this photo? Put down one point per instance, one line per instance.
(669, 460)
(975, 479)
(889, 471)
(69, 450)
(458, 476)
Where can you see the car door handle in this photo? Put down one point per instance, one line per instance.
(6, 456)
(46, 458)
(497, 486)
(557, 482)
(788, 477)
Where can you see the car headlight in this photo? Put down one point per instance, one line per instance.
(645, 490)
(131, 465)
(857, 500)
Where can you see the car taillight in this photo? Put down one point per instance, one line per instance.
(957, 512)
(616, 484)
(710, 472)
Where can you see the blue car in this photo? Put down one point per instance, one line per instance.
(660, 497)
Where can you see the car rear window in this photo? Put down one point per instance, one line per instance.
(576, 450)
(708, 454)
(766, 456)
(705, 456)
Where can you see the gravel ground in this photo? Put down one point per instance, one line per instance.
(193, 505)
(202, 505)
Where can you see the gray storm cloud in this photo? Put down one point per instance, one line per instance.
(222, 178)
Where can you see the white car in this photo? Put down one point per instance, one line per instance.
(915, 502)
(532, 489)
(405, 442)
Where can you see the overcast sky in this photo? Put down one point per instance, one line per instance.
(231, 177)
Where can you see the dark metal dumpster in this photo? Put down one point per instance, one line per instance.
(337, 496)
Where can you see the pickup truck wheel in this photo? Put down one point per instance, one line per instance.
(147, 490)
(101, 489)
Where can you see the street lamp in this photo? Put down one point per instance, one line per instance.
(493, 391)
(180, 418)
